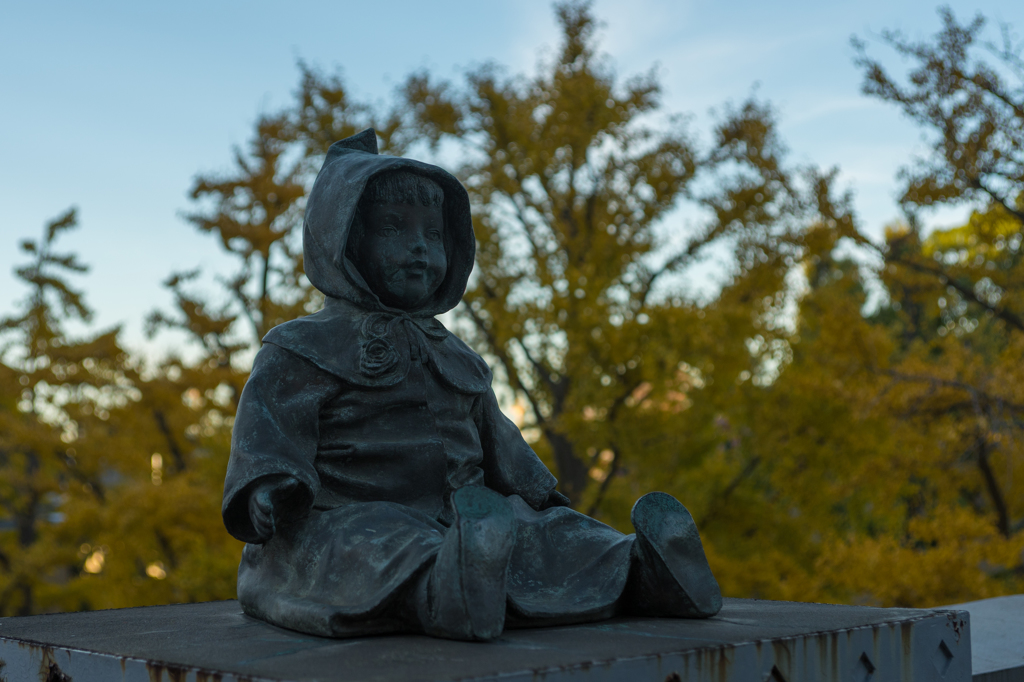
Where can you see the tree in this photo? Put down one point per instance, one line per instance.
(56, 392)
(573, 296)
(894, 433)
(871, 489)
(957, 293)
(624, 378)
(882, 454)
(109, 469)
(829, 450)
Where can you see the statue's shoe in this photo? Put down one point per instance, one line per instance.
(467, 583)
(671, 575)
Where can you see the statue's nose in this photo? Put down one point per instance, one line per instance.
(419, 242)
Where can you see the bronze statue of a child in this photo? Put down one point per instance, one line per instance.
(372, 474)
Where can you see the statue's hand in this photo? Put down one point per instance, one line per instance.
(265, 505)
(556, 499)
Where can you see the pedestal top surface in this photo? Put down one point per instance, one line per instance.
(217, 636)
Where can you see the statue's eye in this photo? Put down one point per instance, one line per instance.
(434, 235)
(389, 230)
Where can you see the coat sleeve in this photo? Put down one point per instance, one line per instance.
(275, 433)
(510, 466)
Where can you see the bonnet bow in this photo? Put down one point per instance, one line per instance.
(377, 353)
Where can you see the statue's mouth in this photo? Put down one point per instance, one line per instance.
(416, 268)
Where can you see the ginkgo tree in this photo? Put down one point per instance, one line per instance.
(108, 466)
(577, 292)
(830, 446)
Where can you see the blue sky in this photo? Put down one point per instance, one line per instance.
(114, 107)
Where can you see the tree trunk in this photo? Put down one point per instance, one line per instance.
(572, 473)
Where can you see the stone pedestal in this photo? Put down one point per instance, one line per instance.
(748, 640)
(997, 638)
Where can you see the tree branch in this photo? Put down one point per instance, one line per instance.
(975, 392)
(1005, 315)
(998, 198)
(172, 445)
(995, 492)
(729, 489)
(506, 362)
(675, 261)
(613, 467)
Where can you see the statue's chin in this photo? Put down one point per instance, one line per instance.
(404, 302)
(407, 300)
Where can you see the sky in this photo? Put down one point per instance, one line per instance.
(115, 107)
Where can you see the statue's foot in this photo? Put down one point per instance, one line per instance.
(671, 576)
(467, 583)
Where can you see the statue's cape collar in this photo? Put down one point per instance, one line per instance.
(375, 348)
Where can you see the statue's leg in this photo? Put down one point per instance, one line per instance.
(463, 594)
(565, 568)
(670, 575)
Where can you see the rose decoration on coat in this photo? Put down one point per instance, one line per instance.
(377, 355)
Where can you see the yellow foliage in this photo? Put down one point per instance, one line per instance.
(830, 447)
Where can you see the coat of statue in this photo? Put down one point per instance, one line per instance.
(372, 474)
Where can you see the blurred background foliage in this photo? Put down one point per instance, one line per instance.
(843, 417)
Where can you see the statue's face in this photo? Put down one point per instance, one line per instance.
(401, 253)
